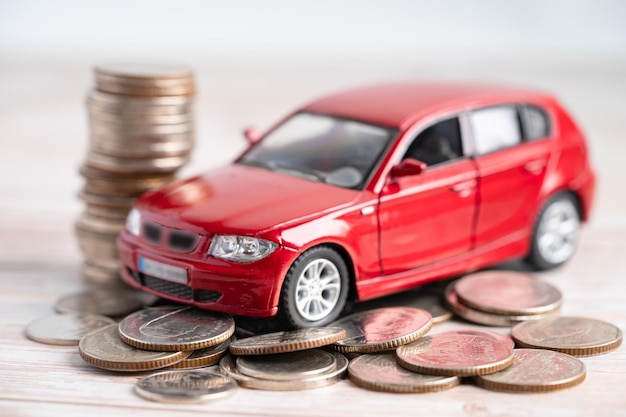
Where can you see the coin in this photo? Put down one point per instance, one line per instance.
(185, 386)
(288, 366)
(536, 370)
(104, 349)
(485, 333)
(508, 293)
(175, 328)
(290, 341)
(227, 365)
(204, 357)
(381, 372)
(110, 302)
(428, 302)
(382, 329)
(481, 317)
(452, 354)
(64, 329)
(576, 336)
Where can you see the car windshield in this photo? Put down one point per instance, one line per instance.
(322, 148)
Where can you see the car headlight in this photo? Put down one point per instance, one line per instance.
(133, 222)
(240, 248)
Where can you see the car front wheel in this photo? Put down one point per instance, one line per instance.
(556, 232)
(315, 288)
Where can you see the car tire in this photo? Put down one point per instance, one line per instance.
(315, 289)
(555, 233)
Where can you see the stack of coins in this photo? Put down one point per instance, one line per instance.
(159, 337)
(141, 133)
(286, 361)
(502, 298)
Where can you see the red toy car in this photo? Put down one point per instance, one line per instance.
(365, 193)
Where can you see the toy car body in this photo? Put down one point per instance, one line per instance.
(365, 193)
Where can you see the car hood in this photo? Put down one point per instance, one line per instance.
(244, 199)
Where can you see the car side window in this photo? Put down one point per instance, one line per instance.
(536, 122)
(438, 143)
(495, 128)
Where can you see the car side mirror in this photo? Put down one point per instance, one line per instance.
(252, 134)
(408, 167)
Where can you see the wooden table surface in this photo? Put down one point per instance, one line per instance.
(44, 140)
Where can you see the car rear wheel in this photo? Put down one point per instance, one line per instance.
(315, 288)
(556, 231)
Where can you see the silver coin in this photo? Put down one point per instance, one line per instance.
(167, 164)
(489, 319)
(227, 365)
(536, 370)
(431, 303)
(146, 70)
(127, 105)
(64, 329)
(175, 328)
(116, 130)
(382, 329)
(186, 386)
(287, 366)
(111, 302)
(281, 342)
(381, 372)
(138, 119)
(204, 357)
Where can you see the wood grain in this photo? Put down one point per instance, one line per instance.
(44, 142)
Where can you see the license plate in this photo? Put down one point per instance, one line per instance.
(163, 271)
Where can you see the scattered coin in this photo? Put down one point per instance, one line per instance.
(381, 372)
(104, 349)
(65, 329)
(204, 357)
(482, 317)
(227, 364)
(287, 366)
(111, 302)
(185, 386)
(431, 303)
(452, 354)
(282, 342)
(507, 293)
(536, 370)
(576, 336)
(382, 329)
(485, 333)
(175, 328)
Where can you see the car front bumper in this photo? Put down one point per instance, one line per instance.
(248, 289)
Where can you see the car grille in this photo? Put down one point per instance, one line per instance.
(175, 239)
(174, 289)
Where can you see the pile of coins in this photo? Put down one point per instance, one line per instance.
(502, 298)
(387, 349)
(141, 133)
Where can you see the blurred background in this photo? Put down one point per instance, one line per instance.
(255, 61)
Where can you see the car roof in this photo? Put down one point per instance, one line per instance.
(399, 105)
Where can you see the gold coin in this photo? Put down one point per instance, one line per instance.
(103, 348)
(482, 317)
(576, 336)
(381, 372)
(227, 365)
(175, 328)
(536, 370)
(382, 329)
(291, 341)
(455, 354)
(185, 386)
(508, 293)
(204, 357)
(64, 329)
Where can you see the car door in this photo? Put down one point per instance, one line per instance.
(511, 163)
(429, 217)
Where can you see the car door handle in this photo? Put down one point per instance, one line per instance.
(535, 167)
(464, 188)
